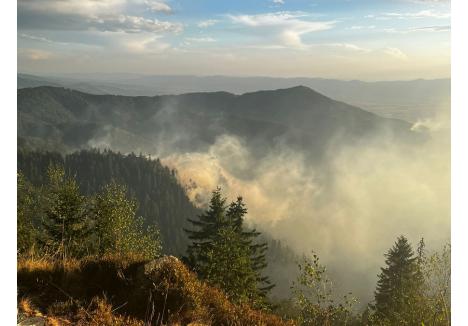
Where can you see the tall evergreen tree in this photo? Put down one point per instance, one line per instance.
(66, 220)
(235, 215)
(226, 254)
(398, 286)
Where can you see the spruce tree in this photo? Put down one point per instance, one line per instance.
(398, 285)
(235, 214)
(66, 219)
(226, 254)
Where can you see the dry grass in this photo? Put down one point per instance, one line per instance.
(116, 290)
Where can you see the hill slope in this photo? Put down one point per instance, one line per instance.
(162, 200)
(409, 100)
(298, 117)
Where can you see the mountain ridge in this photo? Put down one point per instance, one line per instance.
(299, 117)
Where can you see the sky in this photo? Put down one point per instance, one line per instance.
(343, 39)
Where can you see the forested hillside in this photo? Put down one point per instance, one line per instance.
(58, 118)
(162, 200)
(409, 100)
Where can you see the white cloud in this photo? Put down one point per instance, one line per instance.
(278, 2)
(158, 6)
(133, 24)
(396, 53)
(288, 27)
(101, 15)
(140, 44)
(76, 7)
(200, 39)
(416, 15)
(39, 38)
(361, 27)
(349, 46)
(432, 29)
(207, 23)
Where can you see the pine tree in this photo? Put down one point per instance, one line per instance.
(235, 215)
(226, 254)
(398, 285)
(66, 219)
(207, 227)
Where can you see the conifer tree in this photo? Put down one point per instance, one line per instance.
(398, 285)
(226, 254)
(66, 219)
(235, 215)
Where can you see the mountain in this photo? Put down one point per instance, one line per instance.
(298, 117)
(409, 100)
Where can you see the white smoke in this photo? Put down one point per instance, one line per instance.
(350, 210)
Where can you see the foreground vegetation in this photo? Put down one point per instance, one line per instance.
(112, 290)
(89, 259)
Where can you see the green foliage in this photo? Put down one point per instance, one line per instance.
(26, 233)
(162, 201)
(437, 277)
(313, 294)
(226, 254)
(413, 289)
(75, 225)
(117, 228)
(399, 285)
(67, 221)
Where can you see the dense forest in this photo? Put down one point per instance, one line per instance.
(161, 199)
(80, 213)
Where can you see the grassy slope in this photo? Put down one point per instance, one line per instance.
(127, 291)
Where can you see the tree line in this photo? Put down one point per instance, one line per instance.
(162, 201)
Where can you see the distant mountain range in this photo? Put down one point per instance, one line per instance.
(408, 100)
(298, 117)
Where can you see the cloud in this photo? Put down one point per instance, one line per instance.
(158, 6)
(40, 39)
(433, 29)
(34, 54)
(396, 53)
(144, 44)
(416, 15)
(349, 46)
(200, 39)
(278, 2)
(77, 7)
(360, 27)
(288, 27)
(100, 15)
(207, 23)
(133, 24)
